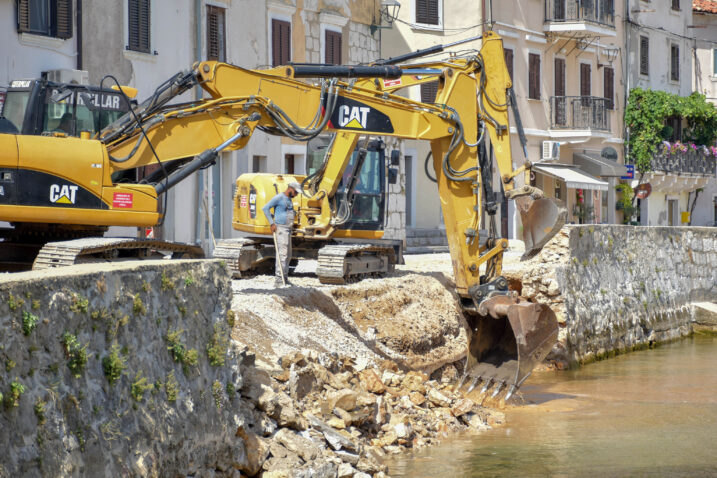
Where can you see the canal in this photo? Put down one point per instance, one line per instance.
(647, 413)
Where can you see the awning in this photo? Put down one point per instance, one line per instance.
(599, 166)
(573, 177)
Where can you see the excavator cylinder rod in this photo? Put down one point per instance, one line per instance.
(345, 71)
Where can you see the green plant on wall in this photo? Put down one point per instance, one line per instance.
(76, 354)
(645, 116)
(113, 364)
(625, 203)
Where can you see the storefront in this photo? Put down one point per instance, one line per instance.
(582, 193)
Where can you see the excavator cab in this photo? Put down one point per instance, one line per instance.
(42, 107)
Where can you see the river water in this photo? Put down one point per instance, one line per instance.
(648, 413)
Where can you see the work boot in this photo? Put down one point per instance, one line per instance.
(278, 283)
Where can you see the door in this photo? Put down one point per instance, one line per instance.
(672, 210)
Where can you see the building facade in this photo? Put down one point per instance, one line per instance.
(142, 43)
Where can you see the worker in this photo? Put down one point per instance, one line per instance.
(65, 125)
(281, 223)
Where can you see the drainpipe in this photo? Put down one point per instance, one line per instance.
(78, 39)
(199, 230)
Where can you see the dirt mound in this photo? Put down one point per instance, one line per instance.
(411, 318)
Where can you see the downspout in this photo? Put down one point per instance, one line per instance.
(199, 229)
(78, 20)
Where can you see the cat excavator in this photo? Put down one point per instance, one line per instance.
(61, 184)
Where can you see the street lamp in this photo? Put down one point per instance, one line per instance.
(388, 12)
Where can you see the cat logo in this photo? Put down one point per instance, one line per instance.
(353, 116)
(64, 194)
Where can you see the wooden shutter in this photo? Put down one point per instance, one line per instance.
(139, 24)
(509, 61)
(216, 43)
(675, 63)
(559, 77)
(332, 47)
(427, 12)
(23, 16)
(429, 91)
(63, 19)
(534, 76)
(280, 42)
(609, 87)
(644, 56)
(585, 86)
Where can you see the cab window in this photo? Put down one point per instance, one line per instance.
(14, 107)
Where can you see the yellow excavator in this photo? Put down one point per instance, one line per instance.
(75, 192)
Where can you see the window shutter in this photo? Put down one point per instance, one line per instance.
(714, 62)
(644, 56)
(23, 16)
(427, 12)
(64, 19)
(675, 70)
(559, 77)
(509, 61)
(534, 76)
(216, 45)
(609, 87)
(585, 89)
(139, 25)
(429, 91)
(280, 42)
(333, 48)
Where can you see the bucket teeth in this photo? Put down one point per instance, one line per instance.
(486, 386)
(510, 393)
(473, 385)
(463, 379)
(497, 390)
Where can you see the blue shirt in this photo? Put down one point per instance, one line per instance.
(282, 207)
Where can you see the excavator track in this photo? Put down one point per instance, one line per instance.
(340, 264)
(240, 255)
(67, 253)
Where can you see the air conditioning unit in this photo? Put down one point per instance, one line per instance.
(76, 77)
(551, 150)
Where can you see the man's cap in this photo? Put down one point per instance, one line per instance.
(296, 187)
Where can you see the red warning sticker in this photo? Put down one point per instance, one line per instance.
(122, 200)
(242, 200)
(390, 83)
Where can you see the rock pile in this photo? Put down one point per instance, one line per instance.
(329, 416)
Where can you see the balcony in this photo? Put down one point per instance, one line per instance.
(579, 113)
(568, 17)
(693, 162)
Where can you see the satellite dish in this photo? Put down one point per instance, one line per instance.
(608, 152)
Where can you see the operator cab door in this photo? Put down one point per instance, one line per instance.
(368, 209)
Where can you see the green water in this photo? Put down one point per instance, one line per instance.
(649, 413)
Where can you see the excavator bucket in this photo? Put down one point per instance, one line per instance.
(542, 219)
(510, 336)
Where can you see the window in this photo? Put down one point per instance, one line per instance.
(45, 17)
(585, 83)
(673, 129)
(258, 164)
(676, 5)
(609, 86)
(138, 21)
(429, 91)
(644, 55)
(559, 77)
(427, 12)
(289, 164)
(280, 42)
(332, 46)
(675, 63)
(534, 76)
(216, 34)
(508, 53)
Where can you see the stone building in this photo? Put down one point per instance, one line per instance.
(704, 20)
(142, 43)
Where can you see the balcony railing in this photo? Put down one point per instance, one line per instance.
(579, 112)
(685, 162)
(601, 12)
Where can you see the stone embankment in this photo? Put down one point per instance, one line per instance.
(617, 288)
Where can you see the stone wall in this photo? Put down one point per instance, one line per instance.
(617, 288)
(122, 370)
